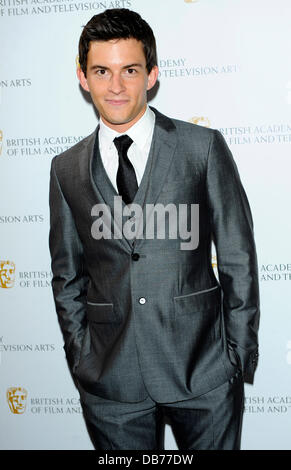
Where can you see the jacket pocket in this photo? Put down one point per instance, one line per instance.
(101, 313)
(198, 317)
(197, 301)
(177, 184)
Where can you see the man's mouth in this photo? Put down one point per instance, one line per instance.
(116, 102)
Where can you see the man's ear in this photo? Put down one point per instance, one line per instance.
(152, 77)
(82, 79)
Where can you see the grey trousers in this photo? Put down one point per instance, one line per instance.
(210, 421)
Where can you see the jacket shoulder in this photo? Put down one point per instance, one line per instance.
(186, 131)
(193, 130)
(74, 153)
(193, 138)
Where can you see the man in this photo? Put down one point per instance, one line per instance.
(149, 331)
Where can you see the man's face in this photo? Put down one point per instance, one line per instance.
(117, 80)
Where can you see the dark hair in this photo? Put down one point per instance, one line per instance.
(118, 23)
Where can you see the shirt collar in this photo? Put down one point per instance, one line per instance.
(139, 132)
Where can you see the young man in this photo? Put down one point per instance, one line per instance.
(149, 331)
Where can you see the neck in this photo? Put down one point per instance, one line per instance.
(123, 127)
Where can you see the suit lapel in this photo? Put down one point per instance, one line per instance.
(161, 154)
(163, 147)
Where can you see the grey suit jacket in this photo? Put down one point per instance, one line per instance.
(146, 316)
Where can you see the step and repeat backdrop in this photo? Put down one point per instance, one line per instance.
(223, 64)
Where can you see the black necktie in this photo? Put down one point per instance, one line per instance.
(126, 178)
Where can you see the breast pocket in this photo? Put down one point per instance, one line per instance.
(183, 191)
(173, 185)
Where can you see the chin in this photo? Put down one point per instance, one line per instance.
(119, 121)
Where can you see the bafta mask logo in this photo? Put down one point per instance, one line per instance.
(200, 120)
(214, 262)
(191, 1)
(214, 266)
(1, 140)
(16, 398)
(7, 274)
(77, 62)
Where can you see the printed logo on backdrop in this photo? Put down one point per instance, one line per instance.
(191, 1)
(16, 399)
(19, 347)
(200, 120)
(7, 274)
(15, 82)
(33, 279)
(279, 133)
(261, 404)
(275, 272)
(181, 67)
(214, 265)
(45, 7)
(77, 62)
(19, 219)
(14, 348)
(34, 147)
(19, 403)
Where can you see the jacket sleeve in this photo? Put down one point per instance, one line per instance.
(232, 228)
(69, 281)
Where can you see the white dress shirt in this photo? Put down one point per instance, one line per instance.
(141, 133)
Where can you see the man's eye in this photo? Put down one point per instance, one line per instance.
(131, 71)
(101, 72)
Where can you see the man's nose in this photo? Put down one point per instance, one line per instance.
(116, 84)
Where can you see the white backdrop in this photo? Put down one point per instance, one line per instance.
(223, 64)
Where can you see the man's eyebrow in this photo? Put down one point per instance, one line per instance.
(93, 67)
(132, 65)
(103, 67)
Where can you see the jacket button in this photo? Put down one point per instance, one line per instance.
(142, 300)
(135, 256)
